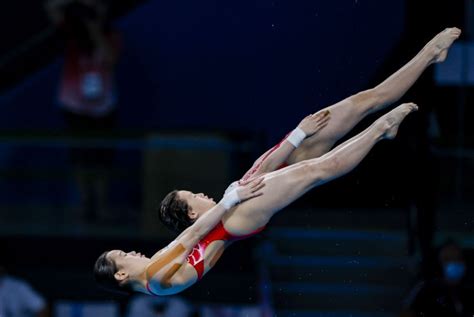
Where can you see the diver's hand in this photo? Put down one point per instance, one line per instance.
(245, 191)
(250, 189)
(315, 122)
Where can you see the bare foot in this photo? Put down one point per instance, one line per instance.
(390, 122)
(441, 43)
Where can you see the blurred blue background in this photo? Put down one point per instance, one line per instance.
(203, 89)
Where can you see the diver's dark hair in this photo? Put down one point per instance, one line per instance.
(104, 275)
(173, 212)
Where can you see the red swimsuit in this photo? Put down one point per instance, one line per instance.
(196, 257)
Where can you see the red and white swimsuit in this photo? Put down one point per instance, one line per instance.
(219, 233)
(196, 257)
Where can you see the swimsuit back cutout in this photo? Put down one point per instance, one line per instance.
(219, 233)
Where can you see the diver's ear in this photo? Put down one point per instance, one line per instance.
(193, 215)
(121, 275)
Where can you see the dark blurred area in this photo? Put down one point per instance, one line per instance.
(187, 95)
(448, 293)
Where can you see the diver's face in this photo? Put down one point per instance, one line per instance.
(128, 264)
(198, 204)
